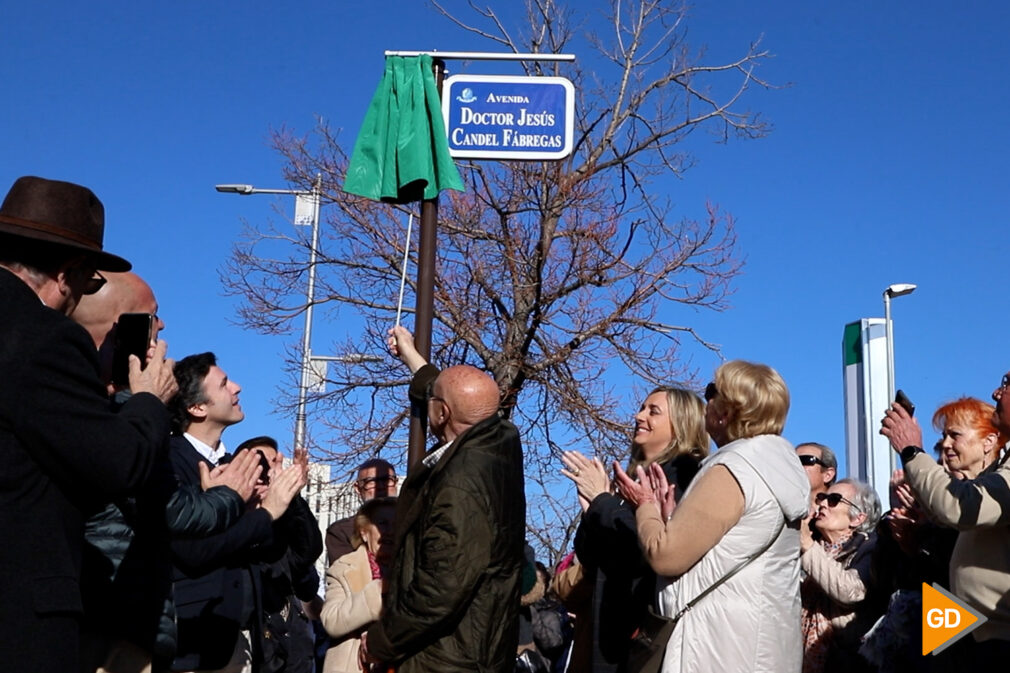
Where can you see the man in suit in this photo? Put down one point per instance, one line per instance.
(452, 600)
(376, 479)
(217, 583)
(63, 449)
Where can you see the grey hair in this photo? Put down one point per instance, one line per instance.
(868, 503)
(828, 459)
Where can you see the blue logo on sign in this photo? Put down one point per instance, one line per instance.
(466, 96)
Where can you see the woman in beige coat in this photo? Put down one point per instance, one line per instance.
(354, 585)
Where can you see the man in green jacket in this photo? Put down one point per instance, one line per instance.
(452, 601)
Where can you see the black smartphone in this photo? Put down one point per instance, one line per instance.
(133, 337)
(901, 398)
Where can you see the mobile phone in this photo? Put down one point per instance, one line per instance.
(265, 468)
(901, 398)
(133, 337)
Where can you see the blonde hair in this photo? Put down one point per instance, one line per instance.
(754, 397)
(366, 514)
(687, 425)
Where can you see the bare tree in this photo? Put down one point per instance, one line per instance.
(563, 279)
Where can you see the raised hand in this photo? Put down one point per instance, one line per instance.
(157, 378)
(900, 429)
(401, 345)
(589, 476)
(283, 490)
(638, 492)
(240, 475)
(662, 490)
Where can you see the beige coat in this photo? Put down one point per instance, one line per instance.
(980, 509)
(353, 601)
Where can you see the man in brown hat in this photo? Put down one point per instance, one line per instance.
(63, 450)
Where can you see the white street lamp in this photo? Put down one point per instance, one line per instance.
(313, 197)
(896, 290)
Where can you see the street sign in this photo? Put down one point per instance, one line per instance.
(500, 117)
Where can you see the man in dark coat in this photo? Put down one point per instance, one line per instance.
(452, 602)
(63, 449)
(216, 578)
(376, 479)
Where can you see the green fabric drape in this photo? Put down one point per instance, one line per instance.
(401, 153)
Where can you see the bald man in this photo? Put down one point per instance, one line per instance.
(97, 313)
(452, 600)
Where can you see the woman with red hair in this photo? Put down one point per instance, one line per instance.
(969, 441)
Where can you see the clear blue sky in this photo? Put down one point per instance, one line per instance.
(888, 163)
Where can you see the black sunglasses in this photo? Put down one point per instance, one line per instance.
(835, 498)
(711, 392)
(809, 460)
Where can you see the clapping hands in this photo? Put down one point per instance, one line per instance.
(651, 485)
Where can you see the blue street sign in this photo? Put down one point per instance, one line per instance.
(499, 117)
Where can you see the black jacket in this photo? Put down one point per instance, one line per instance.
(126, 577)
(216, 578)
(606, 543)
(453, 595)
(63, 450)
(288, 643)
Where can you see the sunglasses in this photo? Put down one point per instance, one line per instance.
(1004, 382)
(711, 392)
(809, 460)
(835, 498)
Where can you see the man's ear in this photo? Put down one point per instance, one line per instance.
(829, 475)
(197, 411)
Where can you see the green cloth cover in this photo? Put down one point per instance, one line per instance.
(401, 153)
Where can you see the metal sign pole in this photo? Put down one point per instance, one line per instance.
(425, 306)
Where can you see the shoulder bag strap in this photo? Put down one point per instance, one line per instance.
(740, 566)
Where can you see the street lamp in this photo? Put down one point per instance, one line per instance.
(314, 196)
(896, 290)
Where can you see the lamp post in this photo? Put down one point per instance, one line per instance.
(306, 363)
(896, 290)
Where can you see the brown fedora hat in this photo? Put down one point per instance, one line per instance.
(61, 213)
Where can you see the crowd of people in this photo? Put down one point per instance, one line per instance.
(137, 542)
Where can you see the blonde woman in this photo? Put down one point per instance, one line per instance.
(747, 502)
(354, 585)
(669, 432)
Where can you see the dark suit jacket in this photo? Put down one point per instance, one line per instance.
(338, 539)
(62, 451)
(212, 575)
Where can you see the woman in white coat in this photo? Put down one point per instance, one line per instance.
(354, 585)
(750, 495)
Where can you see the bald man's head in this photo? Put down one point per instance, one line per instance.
(463, 396)
(97, 313)
(122, 293)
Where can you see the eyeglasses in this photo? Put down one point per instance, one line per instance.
(711, 392)
(1004, 382)
(809, 460)
(378, 481)
(835, 498)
